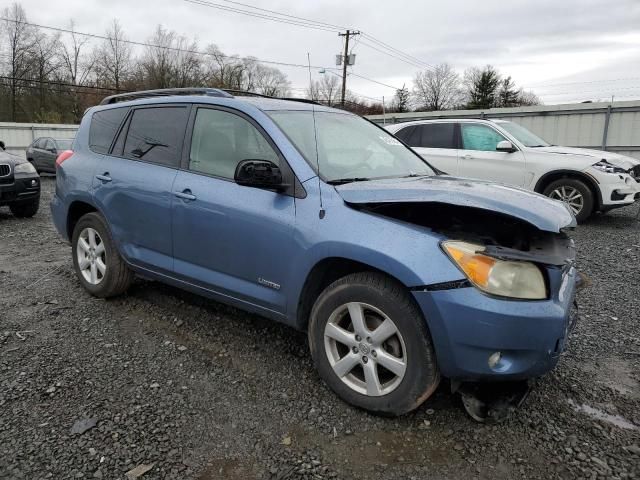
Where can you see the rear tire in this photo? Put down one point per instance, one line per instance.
(394, 335)
(25, 209)
(575, 193)
(96, 260)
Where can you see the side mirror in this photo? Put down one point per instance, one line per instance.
(53, 150)
(2, 145)
(505, 146)
(259, 174)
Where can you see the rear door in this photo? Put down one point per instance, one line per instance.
(48, 156)
(36, 152)
(435, 142)
(134, 180)
(479, 158)
(231, 239)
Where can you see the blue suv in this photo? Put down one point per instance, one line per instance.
(319, 219)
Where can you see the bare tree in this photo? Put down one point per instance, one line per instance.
(326, 90)
(20, 39)
(438, 88)
(528, 99)
(224, 71)
(157, 58)
(77, 66)
(271, 81)
(46, 63)
(113, 58)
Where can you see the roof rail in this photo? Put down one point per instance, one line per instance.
(301, 100)
(244, 92)
(164, 92)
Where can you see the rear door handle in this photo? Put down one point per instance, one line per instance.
(467, 157)
(185, 195)
(104, 178)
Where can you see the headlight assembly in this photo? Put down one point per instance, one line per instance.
(25, 167)
(606, 167)
(514, 279)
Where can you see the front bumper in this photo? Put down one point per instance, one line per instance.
(467, 327)
(617, 190)
(21, 188)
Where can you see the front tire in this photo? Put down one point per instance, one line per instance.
(575, 193)
(97, 263)
(370, 344)
(25, 209)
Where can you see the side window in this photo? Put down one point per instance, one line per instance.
(404, 135)
(480, 137)
(104, 125)
(155, 135)
(49, 145)
(221, 140)
(39, 143)
(438, 135)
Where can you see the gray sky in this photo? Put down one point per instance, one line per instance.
(553, 47)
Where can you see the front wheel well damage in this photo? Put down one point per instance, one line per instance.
(323, 274)
(551, 177)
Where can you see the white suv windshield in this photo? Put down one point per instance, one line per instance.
(523, 135)
(348, 147)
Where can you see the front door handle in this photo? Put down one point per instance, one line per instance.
(467, 157)
(104, 178)
(185, 195)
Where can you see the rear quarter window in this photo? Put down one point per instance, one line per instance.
(104, 126)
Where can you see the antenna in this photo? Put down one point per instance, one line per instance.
(315, 136)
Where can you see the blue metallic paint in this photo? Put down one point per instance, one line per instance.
(221, 244)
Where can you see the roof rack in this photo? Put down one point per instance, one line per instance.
(245, 93)
(164, 92)
(301, 100)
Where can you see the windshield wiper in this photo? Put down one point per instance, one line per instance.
(342, 181)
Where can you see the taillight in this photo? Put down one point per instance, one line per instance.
(63, 156)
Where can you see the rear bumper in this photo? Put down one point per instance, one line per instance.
(467, 327)
(24, 188)
(59, 217)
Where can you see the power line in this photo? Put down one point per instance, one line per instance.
(314, 24)
(607, 91)
(162, 47)
(195, 52)
(262, 16)
(390, 54)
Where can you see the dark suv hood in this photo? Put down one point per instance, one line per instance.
(6, 157)
(542, 212)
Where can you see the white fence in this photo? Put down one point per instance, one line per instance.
(613, 127)
(18, 136)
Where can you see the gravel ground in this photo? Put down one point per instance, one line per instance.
(193, 389)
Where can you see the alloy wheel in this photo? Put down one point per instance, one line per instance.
(365, 349)
(569, 195)
(92, 257)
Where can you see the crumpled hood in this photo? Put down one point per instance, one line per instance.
(613, 158)
(542, 212)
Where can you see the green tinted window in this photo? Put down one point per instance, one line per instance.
(480, 137)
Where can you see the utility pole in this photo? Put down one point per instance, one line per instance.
(345, 60)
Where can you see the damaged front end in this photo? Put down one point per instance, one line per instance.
(507, 319)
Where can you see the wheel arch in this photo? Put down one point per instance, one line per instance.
(592, 183)
(321, 275)
(77, 209)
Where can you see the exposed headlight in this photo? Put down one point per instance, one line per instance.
(25, 167)
(606, 167)
(513, 279)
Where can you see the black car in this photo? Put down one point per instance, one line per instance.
(19, 185)
(42, 153)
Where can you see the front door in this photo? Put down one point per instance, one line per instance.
(479, 158)
(231, 239)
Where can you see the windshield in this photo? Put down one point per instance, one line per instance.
(348, 147)
(64, 144)
(523, 135)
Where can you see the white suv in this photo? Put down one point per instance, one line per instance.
(505, 152)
